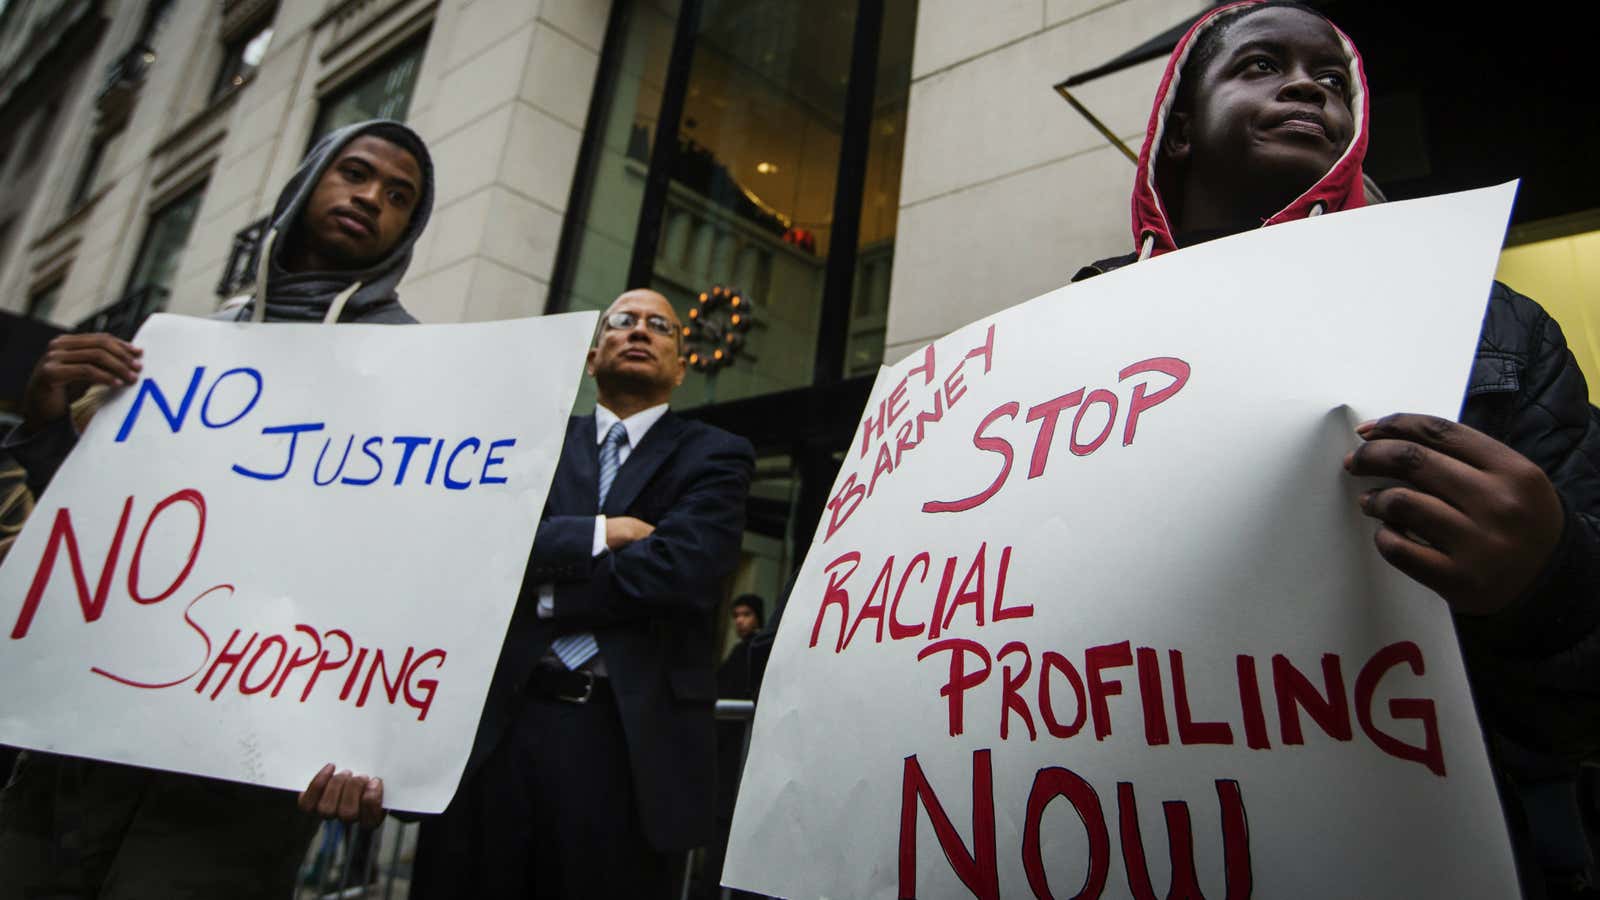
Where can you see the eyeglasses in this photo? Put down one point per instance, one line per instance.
(626, 320)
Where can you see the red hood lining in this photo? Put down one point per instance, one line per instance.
(1339, 188)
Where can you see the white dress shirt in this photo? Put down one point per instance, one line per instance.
(637, 425)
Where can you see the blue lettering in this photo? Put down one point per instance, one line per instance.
(205, 408)
(449, 482)
(411, 443)
(317, 469)
(174, 420)
(489, 459)
(294, 432)
(366, 447)
(433, 465)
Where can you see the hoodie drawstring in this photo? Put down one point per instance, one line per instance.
(1147, 246)
(337, 306)
(258, 312)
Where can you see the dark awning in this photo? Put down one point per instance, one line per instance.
(1155, 48)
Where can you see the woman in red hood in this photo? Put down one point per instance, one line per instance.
(1262, 117)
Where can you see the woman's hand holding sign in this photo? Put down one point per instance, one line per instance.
(1474, 520)
(355, 799)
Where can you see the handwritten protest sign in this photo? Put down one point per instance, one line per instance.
(289, 545)
(1092, 610)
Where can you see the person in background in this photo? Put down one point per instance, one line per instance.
(593, 770)
(738, 677)
(340, 241)
(1260, 119)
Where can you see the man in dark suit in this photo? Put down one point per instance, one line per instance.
(594, 765)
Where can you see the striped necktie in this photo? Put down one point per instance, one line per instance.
(576, 649)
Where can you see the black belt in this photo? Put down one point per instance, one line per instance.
(568, 686)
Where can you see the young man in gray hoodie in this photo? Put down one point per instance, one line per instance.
(340, 240)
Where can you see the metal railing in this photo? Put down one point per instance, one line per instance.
(345, 863)
(239, 273)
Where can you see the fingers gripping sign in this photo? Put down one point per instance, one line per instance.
(72, 362)
(1471, 519)
(354, 799)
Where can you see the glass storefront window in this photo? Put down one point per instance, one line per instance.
(381, 92)
(880, 196)
(746, 193)
(603, 243)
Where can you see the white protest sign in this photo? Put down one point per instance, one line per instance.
(1093, 611)
(289, 545)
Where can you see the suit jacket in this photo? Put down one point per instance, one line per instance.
(650, 605)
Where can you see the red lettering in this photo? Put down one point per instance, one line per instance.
(897, 402)
(1177, 368)
(427, 684)
(392, 691)
(991, 444)
(324, 666)
(1180, 843)
(1054, 660)
(1046, 414)
(927, 366)
(355, 672)
(244, 677)
(884, 466)
(897, 629)
(61, 532)
(976, 869)
(924, 419)
(903, 442)
(1429, 754)
(851, 492)
(1190, 731)
(1099, 395)
(972, 597)
(1151, 697)
(1097, 660)
(1001, 613)
(836, 595)
(961, 680)
(871, 428)
(231, 660)
(1049, 784)
(953, 388)
(984, 350)
(1010, 700)
(1295, 690)
(189, 496)
(189, 618)
(296, 660)
(870, 610)
(945, 583)
(1255, 721)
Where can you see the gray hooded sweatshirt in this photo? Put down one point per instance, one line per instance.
(312, 296)
(367, 295)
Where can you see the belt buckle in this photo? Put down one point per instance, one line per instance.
(588, 689)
